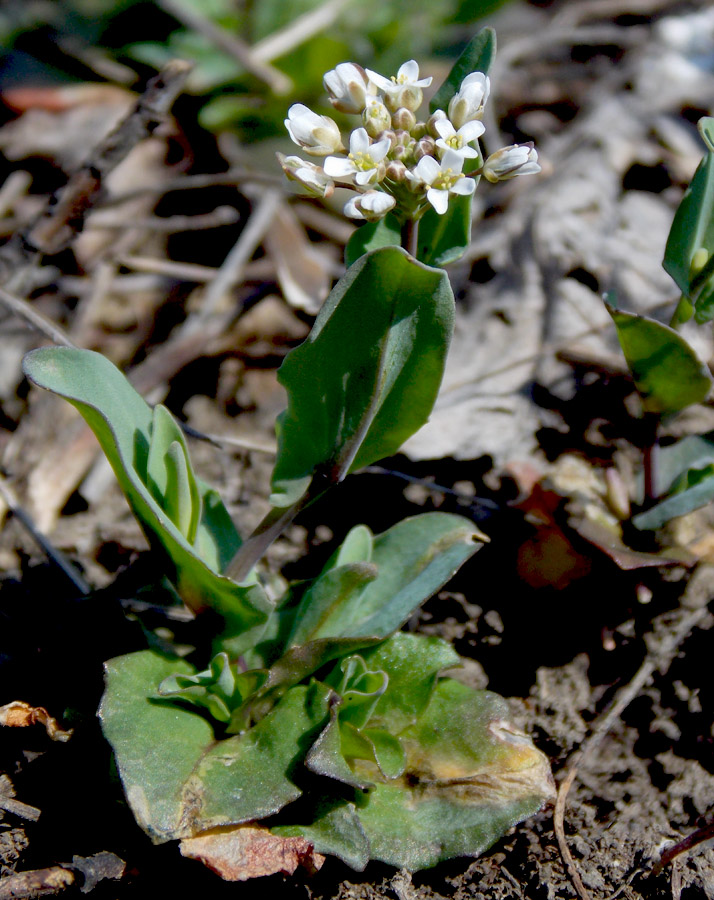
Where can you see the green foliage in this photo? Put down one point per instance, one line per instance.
(182, 517)
(689, 254)
(371, 236)
(667, 373)
(477, 56)
(367, 376)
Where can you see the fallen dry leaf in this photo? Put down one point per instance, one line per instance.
(241, 852)
(19, 714)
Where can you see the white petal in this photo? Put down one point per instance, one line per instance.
(383, 83)
(366, 177)
(438, 199)
(452, 160)
(351, 210)
(444, 128)
(408, 71)
(378, 202)
(338, 166)
(464, 187)
(379, 150)
(359, 141)
(470, 131)
(427, 169)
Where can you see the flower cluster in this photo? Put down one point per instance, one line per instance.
(393, 161)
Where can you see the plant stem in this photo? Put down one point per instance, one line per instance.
(649, 460)
(683, 313)
(268, 530)
(410, 237)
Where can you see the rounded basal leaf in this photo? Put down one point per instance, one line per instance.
(128, 432)
(367, 376)
(470, 776)
(179, 780)
(667, 373)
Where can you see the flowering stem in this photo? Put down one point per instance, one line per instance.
(410, 237)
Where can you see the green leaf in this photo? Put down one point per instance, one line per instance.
(706, 129)
(413, 663)
(414, 559)
(667, 373)
(673, 460)
(122, 422)
(679, 504)
(328, 604)
(177, 778)
(371, 236)
(156, 746)
(476, 57)
(444, 239)
(693, 227)
(367, 376)
(470, 776)
(334, 828)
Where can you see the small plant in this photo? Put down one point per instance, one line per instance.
(667, 372)
(315, 726)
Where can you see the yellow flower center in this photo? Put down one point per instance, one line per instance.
(446, 179)
(362, 161)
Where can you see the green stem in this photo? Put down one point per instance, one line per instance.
(410, 237)
(683, 313)
(649, 462)
(268, 530)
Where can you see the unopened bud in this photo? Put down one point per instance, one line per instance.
(409, 96)
(403, 119)
(376, 118)
(419, 130)
(396, 171)
(699, 260)
(432, 120)
(508, 162)
(388, 135)
(425, 147)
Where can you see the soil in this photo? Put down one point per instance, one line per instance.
(542, 614)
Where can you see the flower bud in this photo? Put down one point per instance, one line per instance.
(348, 87)
(432, 120)
(410, 97)
(518, 159)
(419, 130)
(403, 119)
(317, 135)
(425, 147)
(468, 103)
(307, 174)
(376, 118)
(396, 171)
(372, 206)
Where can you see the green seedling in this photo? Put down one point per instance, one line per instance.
(315, 723)
(667, 373)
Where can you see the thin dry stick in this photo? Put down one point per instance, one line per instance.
(54, 555)
(23, 310)
(655, 659)
(298, 31)
(278, 82)
(231, 271)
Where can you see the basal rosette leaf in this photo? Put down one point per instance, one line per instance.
(179, 780)
(367, 376)
(149, 457)
(468, 776)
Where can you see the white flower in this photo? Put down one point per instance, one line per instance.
(458, 141)
(317, 135)
(518, 159)
(310, 176)
(348, 87)
(371, 206)
(468, 103)
(376, 117)
(363, 161)
(442, 179)
(404, 88)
